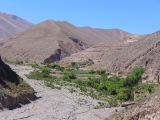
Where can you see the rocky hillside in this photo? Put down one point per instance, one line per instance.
(147, 109)
(121, 57)
(13, 90)
(10, 25)
(52, 40)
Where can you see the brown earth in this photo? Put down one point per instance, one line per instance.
(52, 40)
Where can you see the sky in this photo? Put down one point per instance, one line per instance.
(134, 16)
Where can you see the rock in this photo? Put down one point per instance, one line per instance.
(147, 109)
(13, 90)
(127, 104)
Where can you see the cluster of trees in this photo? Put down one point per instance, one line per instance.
(121, 88)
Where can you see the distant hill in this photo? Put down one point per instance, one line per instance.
(53, 40)
(11, 25)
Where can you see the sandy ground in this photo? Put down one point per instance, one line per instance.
(55, 104)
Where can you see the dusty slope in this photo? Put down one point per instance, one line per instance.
(148, 109)
(55, 104)
(104, 35)
(121, 57)
(53, 40)
(11, 25)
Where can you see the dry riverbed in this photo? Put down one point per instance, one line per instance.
(55, 104)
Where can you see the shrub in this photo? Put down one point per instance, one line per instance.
(101, 72)
(112, 88)
(94, 83)
(35, 65)
(113, 102)
(69, 75)
(18, 62)
(56, 66)
(45, 72)
(92, 71)
(35, 75)
(124, 94)
(134, 77)
(103, 87)
(75, 65)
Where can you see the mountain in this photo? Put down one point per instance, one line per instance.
(14, 91)
(10, 25)
(104, 35)
(53, 40)
(121, 57)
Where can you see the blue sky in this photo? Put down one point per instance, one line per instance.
(135, 16)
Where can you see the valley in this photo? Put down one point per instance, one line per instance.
(55, 104)
(60, 71)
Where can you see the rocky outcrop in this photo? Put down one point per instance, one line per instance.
(54, 57)
(13, 90)
(148, 109)
(6, 74)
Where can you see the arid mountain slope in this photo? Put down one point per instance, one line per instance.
(104, 35)
(121, 57)
(51, 40)
(11, 25)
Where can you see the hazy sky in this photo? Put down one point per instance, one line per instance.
(135, 16)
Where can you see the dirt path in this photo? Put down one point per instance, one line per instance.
(55, 104)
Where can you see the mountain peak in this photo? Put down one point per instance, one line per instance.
(10, 25)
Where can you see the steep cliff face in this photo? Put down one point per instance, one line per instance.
(13, 90)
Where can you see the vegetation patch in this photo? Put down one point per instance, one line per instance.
(113, 90)
(17, 62)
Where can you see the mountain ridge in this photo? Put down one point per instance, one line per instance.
(41, 41)
(10, 25)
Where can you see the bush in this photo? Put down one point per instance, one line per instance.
(75, 65)
(112, 88)
(35, 75)
(45, 72)
(124, 94)
(134, 77)
(56, 66)
(101, 72)
(35, 65)
(18, 62)
(92, 71)
(145, 88)
(69, 75)
(94, 83)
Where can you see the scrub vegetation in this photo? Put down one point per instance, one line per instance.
(98, 84)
